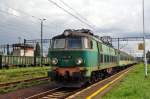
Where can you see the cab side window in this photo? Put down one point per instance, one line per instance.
(88, 44)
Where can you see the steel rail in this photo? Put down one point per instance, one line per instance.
(4, 85)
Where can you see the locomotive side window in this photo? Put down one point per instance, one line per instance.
(88, 43)
(74, 43)
(59, 43)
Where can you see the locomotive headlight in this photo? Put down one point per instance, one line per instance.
(54, 61)
(66, 33)
(79, 61)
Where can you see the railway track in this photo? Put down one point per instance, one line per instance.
(62, 93)
(57, 93)
(5, 85)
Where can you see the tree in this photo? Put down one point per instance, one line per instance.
(148, 56)
(37, 50)
(8, 53)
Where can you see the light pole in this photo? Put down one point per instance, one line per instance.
(42, 20)
(144, 51)
(118, 51)
(19, 40)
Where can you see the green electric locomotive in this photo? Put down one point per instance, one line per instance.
(78, 56)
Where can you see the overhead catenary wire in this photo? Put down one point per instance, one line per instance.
(14, 29)
(14, 26)
(37, 18)
(76, 17)
(19, 30)
(20, 11)
(27, 14)
(5, 12)
(76, 12)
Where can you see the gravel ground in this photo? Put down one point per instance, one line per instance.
(23, 93)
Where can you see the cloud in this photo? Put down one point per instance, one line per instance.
(13, 12)
(116, 18)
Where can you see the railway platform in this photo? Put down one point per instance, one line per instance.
(97, 90)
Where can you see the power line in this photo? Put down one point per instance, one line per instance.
(5, 12)
(20, 11)
(76, 17)
(37, 18)
(14, 29)
(11, 24)
(74, 11)
(8, 13)
(27, 14)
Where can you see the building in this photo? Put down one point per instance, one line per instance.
(22, 50)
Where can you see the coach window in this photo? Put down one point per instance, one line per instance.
(88, 43)
(107, 58)
(101, 58)
(112, 58)
(120, 57)
(115, 59)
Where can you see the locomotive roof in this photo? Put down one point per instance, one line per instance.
(81, 32)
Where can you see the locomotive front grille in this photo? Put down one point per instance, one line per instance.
(70, 71)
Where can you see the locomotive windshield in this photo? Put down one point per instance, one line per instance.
(59, 43)
(72, 43)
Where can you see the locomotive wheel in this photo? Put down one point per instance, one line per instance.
(93, 78)
(87, 83)
(109, 70)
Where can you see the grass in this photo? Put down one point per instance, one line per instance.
(17, 74)
(133, 86)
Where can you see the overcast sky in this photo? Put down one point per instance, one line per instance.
(116, 18)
